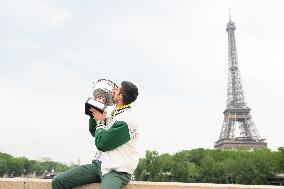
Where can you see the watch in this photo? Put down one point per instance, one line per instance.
(100, 123)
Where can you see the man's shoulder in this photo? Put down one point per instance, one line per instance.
(128, 117)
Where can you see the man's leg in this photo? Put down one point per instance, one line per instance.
(78, 176)
(115, 180)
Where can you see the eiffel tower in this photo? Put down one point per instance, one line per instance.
(238, 129)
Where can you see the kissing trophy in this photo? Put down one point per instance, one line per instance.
(102, 96)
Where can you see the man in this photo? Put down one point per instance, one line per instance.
(115, 138)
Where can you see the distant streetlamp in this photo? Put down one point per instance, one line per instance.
(147, 176)
(169, 174)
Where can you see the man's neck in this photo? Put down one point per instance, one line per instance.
(119, 104)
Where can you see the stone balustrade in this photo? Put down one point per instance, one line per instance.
(26, 183)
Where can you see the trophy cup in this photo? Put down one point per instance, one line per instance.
(102, 96)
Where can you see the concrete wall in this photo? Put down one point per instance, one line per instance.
(20, 183)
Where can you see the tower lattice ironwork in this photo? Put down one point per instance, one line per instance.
(238, 129)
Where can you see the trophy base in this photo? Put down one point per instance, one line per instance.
(92, 103)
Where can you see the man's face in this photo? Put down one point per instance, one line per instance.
(116, 95)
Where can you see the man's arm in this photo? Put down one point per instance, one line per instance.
(92, 121)
(115, 136)
(92, 126)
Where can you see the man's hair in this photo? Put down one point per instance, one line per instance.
(129, 92)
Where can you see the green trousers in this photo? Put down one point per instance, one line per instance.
(90, 173)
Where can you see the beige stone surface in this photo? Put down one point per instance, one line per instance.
(22, 183)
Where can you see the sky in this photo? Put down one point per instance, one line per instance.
(174, 51)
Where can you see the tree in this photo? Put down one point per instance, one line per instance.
(279, 156)
(60, 167)
(196, 155)
(16, 167)
(3, 167)
(182, 167)
(207, 169)
(153, 165)
(4, 163)
(140, 171)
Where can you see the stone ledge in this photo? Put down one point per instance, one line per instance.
(22, 183)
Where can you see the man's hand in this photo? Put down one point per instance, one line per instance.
(98, 115)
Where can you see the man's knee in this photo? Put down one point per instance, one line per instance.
(56, 183)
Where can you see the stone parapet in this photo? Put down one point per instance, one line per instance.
(22, 183)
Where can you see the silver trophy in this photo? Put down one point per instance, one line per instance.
(102, 96)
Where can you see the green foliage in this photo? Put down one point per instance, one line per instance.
(207, 169)
(279, 156)
(60, 167)
(183, 169)
(4, 163)
(21, 166)
(214, 166)
(153, 163)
